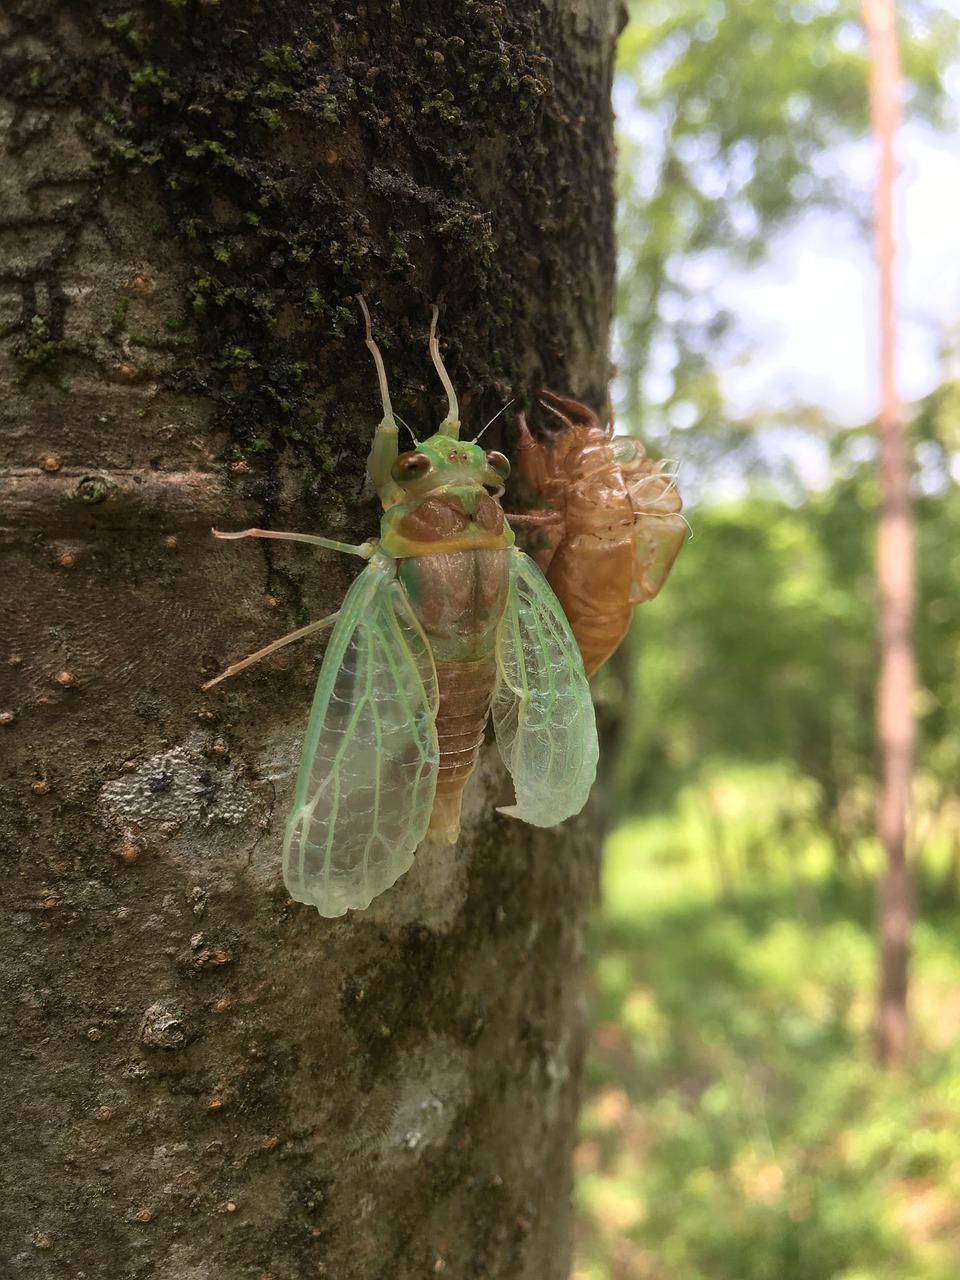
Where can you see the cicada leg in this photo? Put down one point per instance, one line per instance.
(385, 447)
(531, 463)
(570, 412)
(364, 549)
(533, 468)
(272, 648)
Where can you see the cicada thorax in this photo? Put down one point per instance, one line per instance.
(611, 527)
(451, 545)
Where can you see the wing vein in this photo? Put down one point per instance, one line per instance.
(370, 759)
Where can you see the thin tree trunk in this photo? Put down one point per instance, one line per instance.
(204, 1079)
(895, 572)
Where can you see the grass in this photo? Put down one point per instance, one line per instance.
(735, 1126)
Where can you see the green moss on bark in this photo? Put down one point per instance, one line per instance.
(303, 155)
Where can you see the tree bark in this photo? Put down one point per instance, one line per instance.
(895, 571)
(203, 1078)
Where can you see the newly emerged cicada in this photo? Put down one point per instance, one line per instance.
(448, 623)
(610, 528)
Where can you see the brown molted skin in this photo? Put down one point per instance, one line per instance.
(593, 538)
(590, 575)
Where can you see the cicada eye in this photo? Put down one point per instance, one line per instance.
(410, 466)
(498, 463)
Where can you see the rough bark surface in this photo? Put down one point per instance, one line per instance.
(204, 1080)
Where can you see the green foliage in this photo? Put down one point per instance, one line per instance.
(730, 663)
(730, 111)
(762, 645)
(937, 433)
(734, 1127)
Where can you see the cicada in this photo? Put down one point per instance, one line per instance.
(448, 622)
(611, 527)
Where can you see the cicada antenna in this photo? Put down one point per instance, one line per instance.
(557, 413)
(409, 429)
(377, 360)
(492, 421)
(450, 426)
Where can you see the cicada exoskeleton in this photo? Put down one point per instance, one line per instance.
(608, 528)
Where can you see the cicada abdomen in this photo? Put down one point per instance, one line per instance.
(609, 528)
(458, 596)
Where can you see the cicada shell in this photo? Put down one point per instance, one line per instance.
(448, 624)
(609, 526)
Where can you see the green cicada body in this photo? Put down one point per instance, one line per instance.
(447, 624)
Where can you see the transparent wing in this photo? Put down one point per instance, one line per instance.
(542, 710)
(369, 768)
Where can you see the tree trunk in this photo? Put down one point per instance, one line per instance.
(895, 572)
(203, 1078)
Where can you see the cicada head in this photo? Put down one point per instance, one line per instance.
(445, 462)
(578, 445)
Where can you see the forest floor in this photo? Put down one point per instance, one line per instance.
(734, 1125)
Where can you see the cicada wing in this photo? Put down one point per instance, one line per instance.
(369, 768)
(542, 710)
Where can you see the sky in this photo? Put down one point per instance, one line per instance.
(811, 308)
